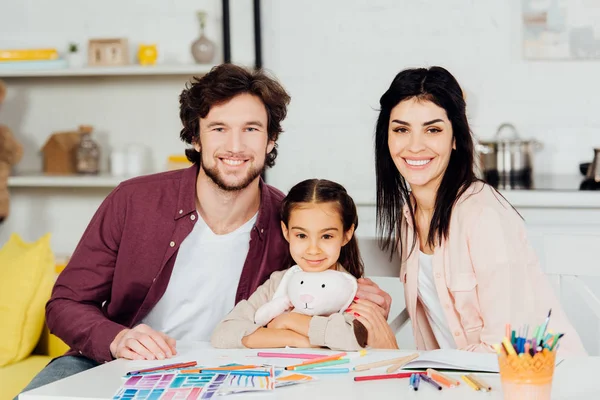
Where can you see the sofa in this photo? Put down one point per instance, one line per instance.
(27, 274)
(14, 377)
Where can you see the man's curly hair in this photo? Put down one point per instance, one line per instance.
(221, 84)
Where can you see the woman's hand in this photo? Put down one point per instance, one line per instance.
(380, 333)
(369, 290)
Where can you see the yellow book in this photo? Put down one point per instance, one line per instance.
(28, 54)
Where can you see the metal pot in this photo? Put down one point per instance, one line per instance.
(507, 162)
(592, 178)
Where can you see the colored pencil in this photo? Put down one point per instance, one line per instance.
(323, 364)
(326, 371)
(469, 382)
(303, 356)
(229, 368)
(317, 360)
(441, 378)
(383, 363)
(241, 372)
(411, 382)
(402, 363)
(542, 332)
(556, 341)
(479, 382)
(164, 367)
(399, 375)
(510, 350)
(416, 381)
(431, 382)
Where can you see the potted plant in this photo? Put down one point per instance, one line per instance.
(74, 56)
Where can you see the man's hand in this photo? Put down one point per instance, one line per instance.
(369, 290)
(142, 343)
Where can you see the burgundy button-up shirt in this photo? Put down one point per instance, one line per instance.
(122, 265)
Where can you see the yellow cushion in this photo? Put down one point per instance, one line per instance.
(50, 345)
(25, 286)
(14, 377)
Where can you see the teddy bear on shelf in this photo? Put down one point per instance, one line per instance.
(11, 152)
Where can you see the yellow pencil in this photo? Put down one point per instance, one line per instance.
(510, 350)
(469, 382)
(479, 382)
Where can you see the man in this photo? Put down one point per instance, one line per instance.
(168, 255)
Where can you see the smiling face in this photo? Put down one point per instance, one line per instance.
(316, 235)
(234, 142)
(420, 141)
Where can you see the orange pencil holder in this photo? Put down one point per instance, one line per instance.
(525, 377)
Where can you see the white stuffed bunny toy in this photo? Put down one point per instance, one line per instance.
(310, 293)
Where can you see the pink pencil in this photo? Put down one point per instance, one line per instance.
(290, 355)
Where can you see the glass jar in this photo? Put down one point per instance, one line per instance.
(87, 154)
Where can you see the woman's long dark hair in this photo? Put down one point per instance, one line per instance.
(438, 86)
(323, 191)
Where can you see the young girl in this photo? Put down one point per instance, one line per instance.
(318, 219)
(467, 266)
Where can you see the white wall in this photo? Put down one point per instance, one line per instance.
(338, 57)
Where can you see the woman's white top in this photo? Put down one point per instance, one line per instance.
(433, 308)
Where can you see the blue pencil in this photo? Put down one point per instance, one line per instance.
(325, 371)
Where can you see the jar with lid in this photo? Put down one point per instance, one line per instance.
(87, 154)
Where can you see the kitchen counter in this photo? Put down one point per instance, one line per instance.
(546, 191)
(553, 191)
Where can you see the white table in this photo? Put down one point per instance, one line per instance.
(574, 379)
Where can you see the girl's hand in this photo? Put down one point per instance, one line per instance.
(369, 290)
(279, 322)
(380, 333)
(293, 321)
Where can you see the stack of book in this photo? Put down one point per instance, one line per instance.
(20, 59)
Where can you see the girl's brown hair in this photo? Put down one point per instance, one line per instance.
(324, 191)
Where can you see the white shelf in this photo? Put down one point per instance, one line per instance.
(128, 70)
(65, 181)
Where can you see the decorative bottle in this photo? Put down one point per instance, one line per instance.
(87, 154)
(203, 49)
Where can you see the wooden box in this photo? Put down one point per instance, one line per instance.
(59, 153)
(108, 52)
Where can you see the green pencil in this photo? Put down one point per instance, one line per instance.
(323, 364)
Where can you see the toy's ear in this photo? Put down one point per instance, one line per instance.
(282, 288)
(354, 286)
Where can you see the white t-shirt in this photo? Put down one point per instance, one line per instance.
(433, 308)
(203, 284)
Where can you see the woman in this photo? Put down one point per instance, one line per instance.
(467, 267)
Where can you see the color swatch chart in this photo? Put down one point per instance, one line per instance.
(171, 386)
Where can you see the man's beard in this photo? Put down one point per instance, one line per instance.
(214, 174)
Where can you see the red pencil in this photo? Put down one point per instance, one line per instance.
(387, 376)
(165, 367)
